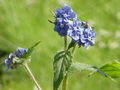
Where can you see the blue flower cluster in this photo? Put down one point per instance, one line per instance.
(63, 17)
(9, 62)
(82, 33)
(66, 13)
(67, 24)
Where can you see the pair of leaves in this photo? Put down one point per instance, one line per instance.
(61, 64)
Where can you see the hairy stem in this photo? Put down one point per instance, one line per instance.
(65, 43)
(31, 75)
(73, 50)
(64, 85)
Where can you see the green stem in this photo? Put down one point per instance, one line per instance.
(64, 85)
(65, 43)
(31, 75)
(73, 50)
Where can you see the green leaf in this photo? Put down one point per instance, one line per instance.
(61, 64)
(58, 56)
(112, 69)
(72, 44)
(30, 50)
(79, 67)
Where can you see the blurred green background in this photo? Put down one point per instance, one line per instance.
(24, 22)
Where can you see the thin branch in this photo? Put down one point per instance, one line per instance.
(31, 75)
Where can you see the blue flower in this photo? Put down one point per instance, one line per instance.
(74, 29)
(9, 61)
(87, 37)
(14, 58)
(67, 24)
(66, 13)
(63, 17)
(61, 26)
(81, 33)
(20, 52)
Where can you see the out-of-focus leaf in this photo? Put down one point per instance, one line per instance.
(3, 54)
(7, 45)
(79, 67)
(61, 64)
(30, 50)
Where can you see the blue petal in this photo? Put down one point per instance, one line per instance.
(67, 8)
(71, 15)
(92, 33)
(9, 61)
(20, 52)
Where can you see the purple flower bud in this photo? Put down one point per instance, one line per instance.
(20, 52)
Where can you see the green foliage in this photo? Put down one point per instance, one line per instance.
(23, 22)
(62, 62)
(72, 44)
(112, 69)
(79, 67)
(30, 50)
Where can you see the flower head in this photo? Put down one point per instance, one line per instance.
(61, 26)
(74, 29)
(66, 13)
(63, 17)
(15, 58)
(20, 56)
(67, 24)
(20, 52)
(83, 35)
(9, 61)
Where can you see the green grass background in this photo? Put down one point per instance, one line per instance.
(24, 22)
